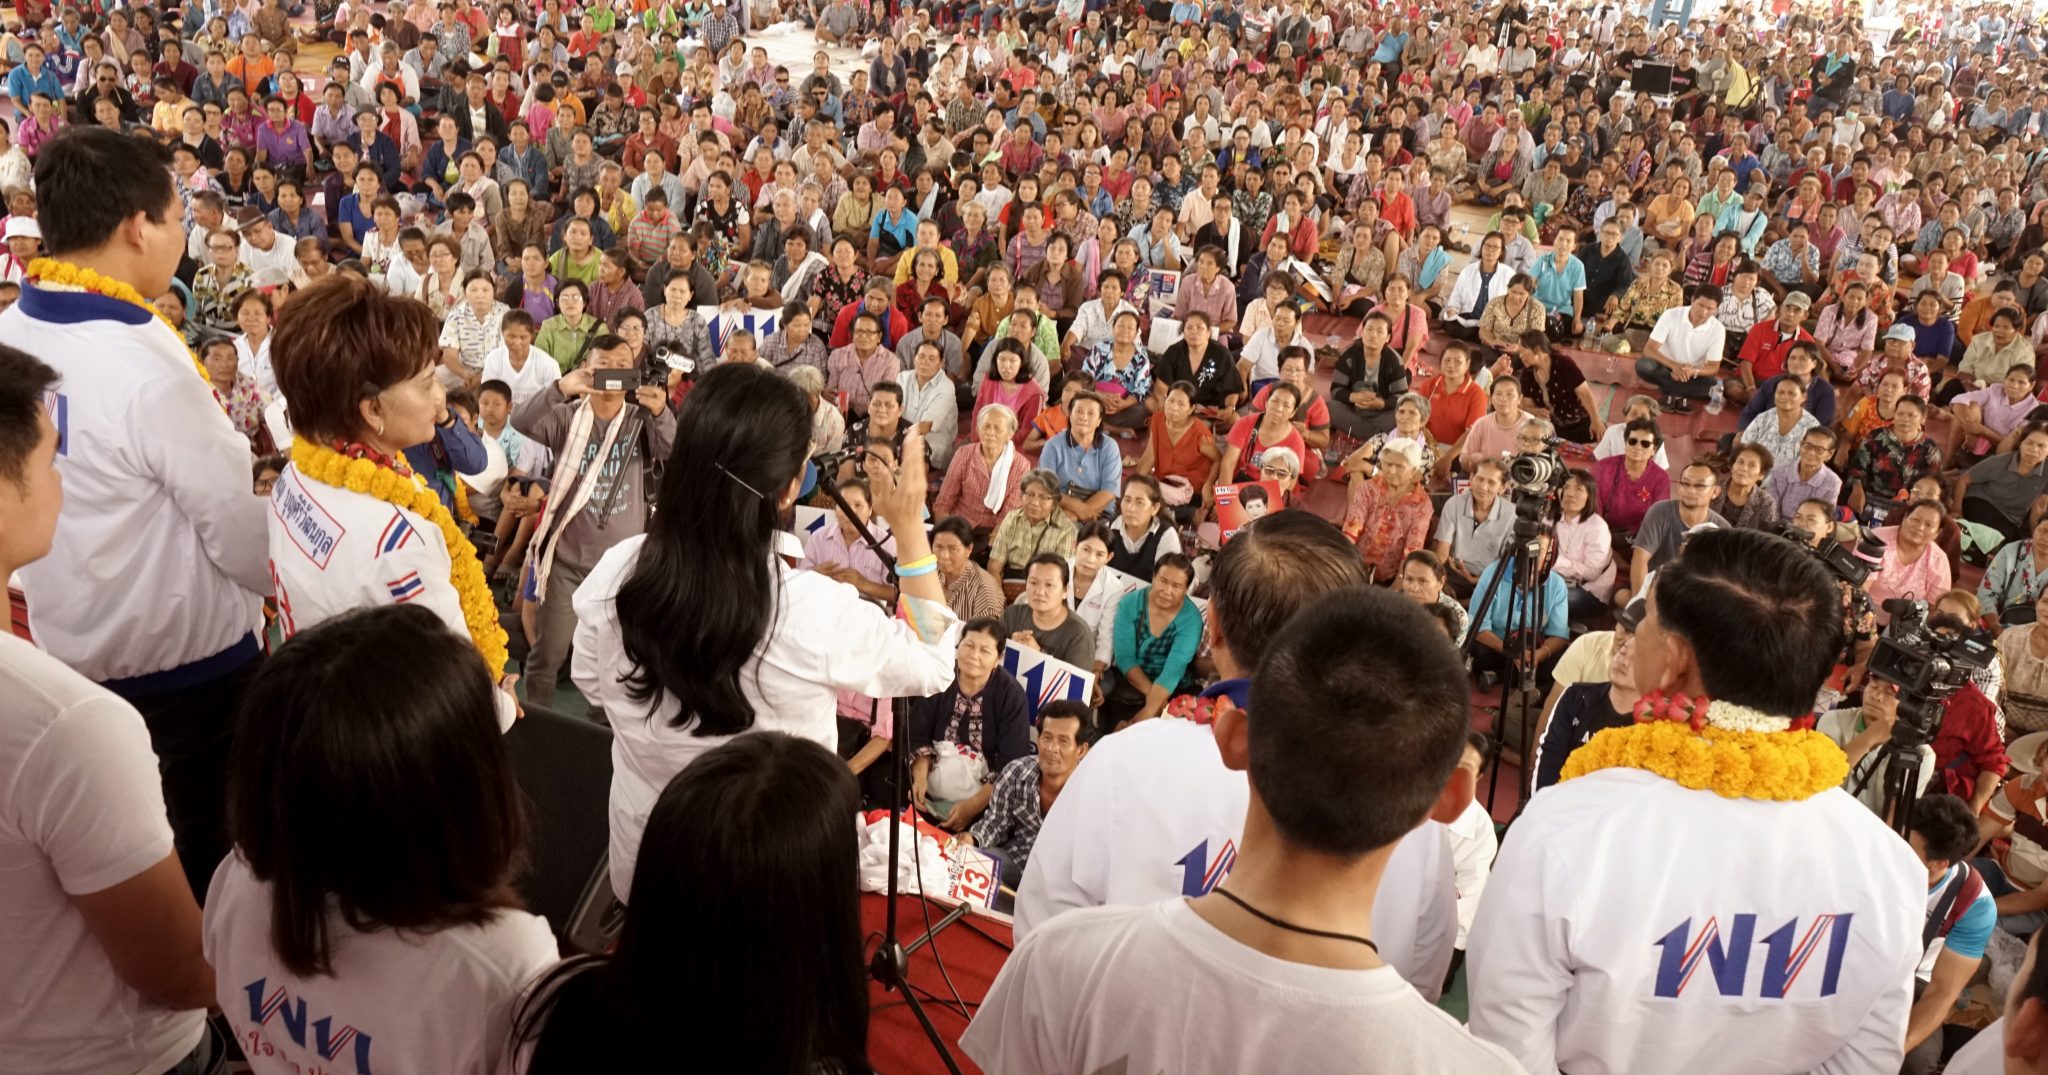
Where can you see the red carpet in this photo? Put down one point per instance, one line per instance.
(896, 1044)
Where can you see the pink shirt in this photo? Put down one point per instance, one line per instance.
(1925, 579)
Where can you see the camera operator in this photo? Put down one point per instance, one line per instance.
(1813, 526)
(1969, 751)
(1493, 625)
(1860, 731)
(608, 442)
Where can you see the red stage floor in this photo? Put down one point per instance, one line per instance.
(896, 1044)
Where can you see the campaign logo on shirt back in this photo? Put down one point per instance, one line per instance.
(1199, 873)
(1785, 953)
(290, 1013)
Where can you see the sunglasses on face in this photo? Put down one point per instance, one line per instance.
(1635, 442)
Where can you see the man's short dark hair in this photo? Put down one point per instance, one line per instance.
(24, 379)
(1747, 601)
(1068, 709)
(1271, 571)
(1946, 827)
(1358, 715)
(91, 180)
(1051, 559)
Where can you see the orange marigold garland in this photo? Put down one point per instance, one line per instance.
(1717, 747)
(402, 488)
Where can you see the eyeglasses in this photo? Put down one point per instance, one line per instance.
(1274, 471)
(1039, 497)
(1638, 442)
(1695, 485)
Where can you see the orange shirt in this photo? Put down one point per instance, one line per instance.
(1451, 413)
(254, 72)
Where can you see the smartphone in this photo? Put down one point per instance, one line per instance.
(614, 380)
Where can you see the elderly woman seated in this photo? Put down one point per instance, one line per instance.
(986, 484)
(828, 426)
(1036, 526)
(1388, 514)
(1411, 424)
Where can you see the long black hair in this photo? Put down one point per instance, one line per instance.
(742, 936)
(702, 594)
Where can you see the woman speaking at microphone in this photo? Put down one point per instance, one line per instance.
(696, 632)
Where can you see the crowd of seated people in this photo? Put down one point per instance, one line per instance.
(1131, 279)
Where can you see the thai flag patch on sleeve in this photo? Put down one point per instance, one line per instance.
(406, 587)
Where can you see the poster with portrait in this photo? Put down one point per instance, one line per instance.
(1240, 505)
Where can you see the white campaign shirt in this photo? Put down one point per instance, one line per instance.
(526, 382)
(825, 639)
(1687, 344)
(1155, 988)
(1151, 813)
(398, 1000)
(159, 554)
(1632, 925)
(334, 551)
(81, 810)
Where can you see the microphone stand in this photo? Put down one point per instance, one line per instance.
(890, 965)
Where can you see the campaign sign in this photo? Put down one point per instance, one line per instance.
(809, 520)
(722, 324)
(972, 875)
(1046, 679)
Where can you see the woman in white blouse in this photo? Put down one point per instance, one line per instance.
(700, 608)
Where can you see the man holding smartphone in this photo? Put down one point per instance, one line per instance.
(609, 434)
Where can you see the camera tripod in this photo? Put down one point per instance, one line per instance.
(1519, 686)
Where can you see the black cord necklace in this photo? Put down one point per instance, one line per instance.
(1289, 926)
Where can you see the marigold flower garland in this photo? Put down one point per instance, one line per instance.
(1717, 747)
(64, 276)
(402, 488)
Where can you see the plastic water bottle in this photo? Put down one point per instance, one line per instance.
(1714, 399)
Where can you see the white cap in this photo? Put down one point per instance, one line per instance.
(22, 227)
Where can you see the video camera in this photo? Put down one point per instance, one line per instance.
(1849, 563)
(1534, 480)
(673, 357)
(1927, 662)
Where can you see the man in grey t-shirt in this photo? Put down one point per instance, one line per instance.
(1667, 522)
